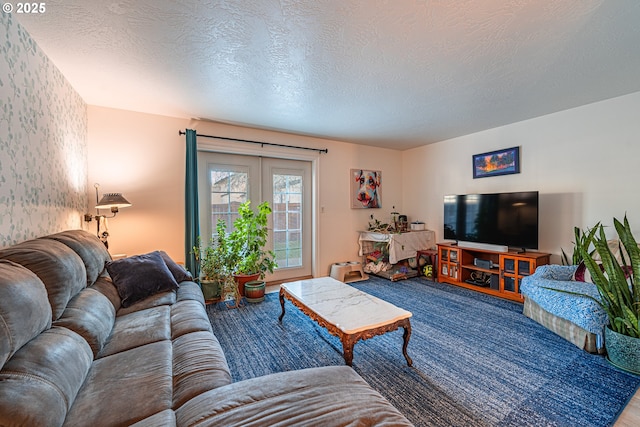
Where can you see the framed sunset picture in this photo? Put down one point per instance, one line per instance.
(493, 163)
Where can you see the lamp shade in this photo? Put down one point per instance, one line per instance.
(112, 200)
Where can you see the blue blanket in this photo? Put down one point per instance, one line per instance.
(582, 311)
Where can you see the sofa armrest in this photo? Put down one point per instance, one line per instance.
(325, 396)
(555, 272)
(557, 279)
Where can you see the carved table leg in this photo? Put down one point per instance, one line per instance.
(406, 336)
(347, 349)
(281, 304)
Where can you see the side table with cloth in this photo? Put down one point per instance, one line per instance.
(401, 246)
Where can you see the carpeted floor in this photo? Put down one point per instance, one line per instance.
(477, 361)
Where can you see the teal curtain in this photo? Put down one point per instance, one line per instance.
(192, 220)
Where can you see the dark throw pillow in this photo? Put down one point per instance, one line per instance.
(179, 273)
(582, 273)
(140, 276)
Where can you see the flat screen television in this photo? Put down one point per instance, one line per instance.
(506, 219)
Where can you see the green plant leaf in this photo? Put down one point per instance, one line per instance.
(617, 288)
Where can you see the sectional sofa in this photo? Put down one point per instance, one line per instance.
(85, 340)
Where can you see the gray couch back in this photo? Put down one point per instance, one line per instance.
(49, 333)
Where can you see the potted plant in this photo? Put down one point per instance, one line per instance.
(248, 243)
(619, 292)
(576, 255)
(217, 263)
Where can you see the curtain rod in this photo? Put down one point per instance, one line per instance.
(319, 150)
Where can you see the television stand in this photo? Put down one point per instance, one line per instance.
(457, 266)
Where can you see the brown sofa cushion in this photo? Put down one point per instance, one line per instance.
(91, 315)
(157, 300)
(166, 418)
(137, 329)
(190, 291)
(199, 365)
(125, 388)
(188, 316)
(104, 285)
(40, 382)
(89, 248)
(24, 308)
(60, 269)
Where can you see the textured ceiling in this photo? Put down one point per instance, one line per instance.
(394, 73)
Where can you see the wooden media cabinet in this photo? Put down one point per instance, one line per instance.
(490, 272)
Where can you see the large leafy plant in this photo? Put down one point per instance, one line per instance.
(248, 240)
(616, 281)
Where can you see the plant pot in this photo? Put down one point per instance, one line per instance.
(623, 351)
(211, 289)
(254, 291)
(241, 279)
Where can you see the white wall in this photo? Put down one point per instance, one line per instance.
(583, 161)
(339, 224)
(142, 156)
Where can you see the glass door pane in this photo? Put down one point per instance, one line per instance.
(510, 284)
(524, 267)
(287, 219)
(287, 185)
(229, 189)
(225, 181)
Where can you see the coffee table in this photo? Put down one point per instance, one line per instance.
(346, 312)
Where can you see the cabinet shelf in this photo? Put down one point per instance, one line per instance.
(456, 266)
(495, 270)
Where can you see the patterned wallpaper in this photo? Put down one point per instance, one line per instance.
(43, 148)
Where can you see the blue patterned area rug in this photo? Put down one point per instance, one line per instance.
(477, 361)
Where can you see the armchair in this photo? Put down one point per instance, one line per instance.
(576, 318)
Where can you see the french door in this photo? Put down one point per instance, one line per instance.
(227, 180)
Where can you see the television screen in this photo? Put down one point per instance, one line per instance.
(509, 219)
